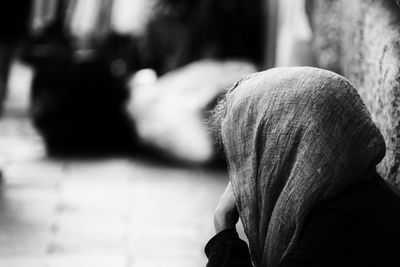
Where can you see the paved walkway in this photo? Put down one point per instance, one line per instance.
(106, 212)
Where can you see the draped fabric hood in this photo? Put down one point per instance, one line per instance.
(293, 137)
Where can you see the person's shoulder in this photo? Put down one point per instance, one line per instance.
(362, 220)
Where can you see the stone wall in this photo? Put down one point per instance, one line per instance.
(360, 39)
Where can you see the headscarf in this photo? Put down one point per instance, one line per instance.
(293, 137)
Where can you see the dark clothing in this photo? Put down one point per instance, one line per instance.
(227, 249)
(359, 227)
(14, 19)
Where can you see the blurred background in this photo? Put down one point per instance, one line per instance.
(105, 155)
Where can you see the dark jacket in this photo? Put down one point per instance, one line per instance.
(358, 227)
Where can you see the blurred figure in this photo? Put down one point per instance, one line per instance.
(198, 48)
(79, 90)
(14, 26)
(84, 58)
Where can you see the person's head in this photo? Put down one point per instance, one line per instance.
(293, 137)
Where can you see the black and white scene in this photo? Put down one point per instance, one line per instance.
(199, 133)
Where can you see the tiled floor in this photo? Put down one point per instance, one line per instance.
(105, 212)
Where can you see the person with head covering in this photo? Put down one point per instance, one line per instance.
(302, 152)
